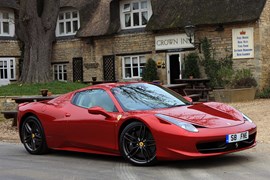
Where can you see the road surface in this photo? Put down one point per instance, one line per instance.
(17, 164)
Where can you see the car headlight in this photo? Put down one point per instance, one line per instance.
(246, 118)
(184, 125)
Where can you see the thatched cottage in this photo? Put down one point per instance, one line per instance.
(113, 39)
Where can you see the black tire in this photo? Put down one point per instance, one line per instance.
(137, 144)
(33, 137)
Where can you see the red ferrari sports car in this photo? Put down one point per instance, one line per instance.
(140, 121)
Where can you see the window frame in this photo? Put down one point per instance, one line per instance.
(11, 23)
(65, 20)
(60, 74)
(10, 69)
(123, 12)
(138, 66)
(79, 97)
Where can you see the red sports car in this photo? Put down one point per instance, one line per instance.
(140, 121)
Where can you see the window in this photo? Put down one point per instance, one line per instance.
(92, 98)
(143, 96)
(60, 72)
(68, 23)
(7, 27)
(7, 69)
(135, 14)
(133, 66)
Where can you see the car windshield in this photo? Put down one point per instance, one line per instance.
(143, 96)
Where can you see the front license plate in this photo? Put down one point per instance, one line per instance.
(230, 138)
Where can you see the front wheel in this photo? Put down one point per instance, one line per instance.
(32, 136)
(137, 144)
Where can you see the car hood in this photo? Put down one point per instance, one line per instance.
(210, 115)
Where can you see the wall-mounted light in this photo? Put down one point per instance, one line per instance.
(190, 32)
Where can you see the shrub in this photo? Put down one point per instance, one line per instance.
(150, 71)
(218, 71)
(265, 93)
(243, 79)
(191, 67)
(225, 76)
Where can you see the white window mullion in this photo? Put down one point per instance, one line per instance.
(12, 69)
(145, 8)
(66, 21)
(136, 62)
(62, 73)
(59, 72)
(131, 67)
(7, 71)
(7, 27)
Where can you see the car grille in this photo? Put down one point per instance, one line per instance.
(222, 146)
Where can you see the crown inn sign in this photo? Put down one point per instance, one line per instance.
(170, 42)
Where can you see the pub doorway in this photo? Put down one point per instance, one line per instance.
(174, 70)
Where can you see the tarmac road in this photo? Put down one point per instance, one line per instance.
(17, 164)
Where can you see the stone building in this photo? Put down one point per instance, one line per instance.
(113, 39)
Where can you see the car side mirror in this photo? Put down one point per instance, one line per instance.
(99, 111)
(188, 99)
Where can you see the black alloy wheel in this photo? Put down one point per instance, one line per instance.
(32, 136)
(137, 144)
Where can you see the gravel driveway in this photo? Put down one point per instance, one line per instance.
(257, 110)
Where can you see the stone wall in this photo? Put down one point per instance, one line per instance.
(264, 49)
(66, 50)
(128, 44)
(6, 103)
(63, 51)
(9, 48)
(222, 44)
(121, 45)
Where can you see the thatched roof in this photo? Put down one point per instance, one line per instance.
(173, 14)
(101, 17)
(178, 13)
(102, 21)
(9, 4)
(97, 16)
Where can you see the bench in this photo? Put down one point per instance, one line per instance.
(11, 114)
(203, 93)
(181, 89)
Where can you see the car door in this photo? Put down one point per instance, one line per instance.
(92, 131)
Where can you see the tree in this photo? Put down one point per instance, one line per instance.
(36, 29)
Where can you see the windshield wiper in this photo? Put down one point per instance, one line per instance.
(177, 105)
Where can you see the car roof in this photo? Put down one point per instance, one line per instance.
(112, 85)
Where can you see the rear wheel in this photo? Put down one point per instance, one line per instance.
(32, 136)
(137, 144)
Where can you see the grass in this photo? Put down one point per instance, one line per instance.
(56, 87)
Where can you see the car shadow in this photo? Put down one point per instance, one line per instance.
(209, 162)
(89, 156)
